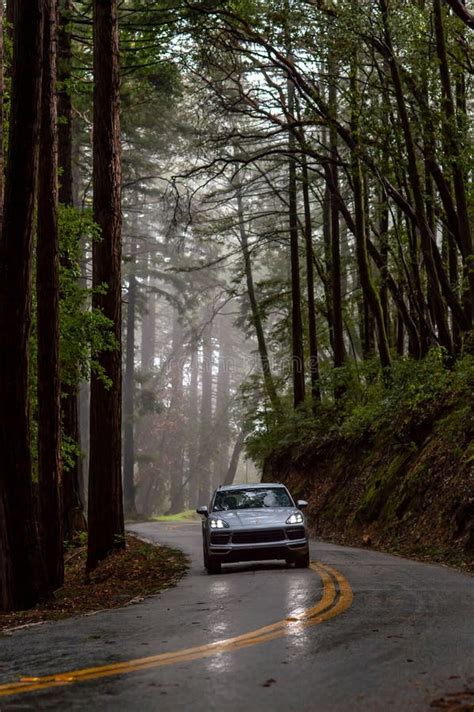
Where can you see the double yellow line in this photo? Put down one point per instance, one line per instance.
(336, 598)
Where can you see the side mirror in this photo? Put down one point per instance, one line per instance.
(203, 511)
(301, 503)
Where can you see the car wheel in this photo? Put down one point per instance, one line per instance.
(302, 561)
(205, 555)
(213, 567)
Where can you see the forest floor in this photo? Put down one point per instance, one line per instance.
(125, 577)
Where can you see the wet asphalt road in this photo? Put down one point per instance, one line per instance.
(406, 641)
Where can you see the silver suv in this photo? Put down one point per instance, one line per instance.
(253, 523)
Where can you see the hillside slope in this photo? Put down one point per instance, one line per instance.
(405, 484)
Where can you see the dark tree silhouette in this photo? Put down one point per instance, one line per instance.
(105, 512)
(19, 557)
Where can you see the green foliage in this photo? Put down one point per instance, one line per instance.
(417, 393)
(84, 332)
(70, 452)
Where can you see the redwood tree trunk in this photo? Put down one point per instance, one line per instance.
(19, 555)
(105, 512)
(129, 388)
(73, 510)
(47, 290)
(2, 100)
(64, 103)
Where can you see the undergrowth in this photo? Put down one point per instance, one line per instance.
(396, 404)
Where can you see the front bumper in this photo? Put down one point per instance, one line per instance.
(289, 543)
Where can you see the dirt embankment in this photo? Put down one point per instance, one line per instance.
(409, 491)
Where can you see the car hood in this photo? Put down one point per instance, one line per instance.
(255, 518)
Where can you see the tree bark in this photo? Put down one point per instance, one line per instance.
(105, 511)
(65, 103)
(336, 295)
(312, 333)
(297, 350)
(234, 460)
(370, 293)
(221, 425)
(269, 383)
(147, 349)
(453, 154)
(73, 510)
(205, 417)
(175, 437)
(192, 444)
(129, 388)
(438, 280)
(2, 113)
(19, 550)
(47, 290)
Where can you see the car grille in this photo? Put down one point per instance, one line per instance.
(295, 533)
(217, 538)
(259, 536)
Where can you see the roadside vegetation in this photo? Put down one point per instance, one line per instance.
(124, 578)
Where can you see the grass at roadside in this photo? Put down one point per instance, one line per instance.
(124, 577)
(188, 516)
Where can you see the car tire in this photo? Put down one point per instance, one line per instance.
(302, 561)
(213, 567)
(205, 555)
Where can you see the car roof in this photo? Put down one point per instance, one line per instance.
(244, 485)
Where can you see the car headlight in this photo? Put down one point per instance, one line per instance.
(295, 518)
(218, 524)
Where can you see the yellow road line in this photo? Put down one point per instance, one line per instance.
(329, 606)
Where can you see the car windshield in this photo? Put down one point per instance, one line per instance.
(255, 498)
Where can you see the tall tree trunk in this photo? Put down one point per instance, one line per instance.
(438, 279)
(221, 426)
(147, 349)
(383, 232)
(19, 551)
(370, 293)
(129, 388)
(2, 113)
(9, 16)
(234, 460)
(333, 175)
(453, 154)
(47, 290)
(192, 443)
(256, 316)
(205, 417)
(297, 350)
(312, 334)
(65, 103)
(175, 437)
(326, 210)
(73, 509)
(105, 511)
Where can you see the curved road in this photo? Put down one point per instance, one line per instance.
(358, 631)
